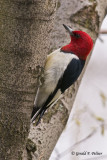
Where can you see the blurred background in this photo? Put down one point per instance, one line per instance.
(85, 135)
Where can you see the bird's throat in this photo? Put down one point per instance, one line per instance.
(79, 51)
(67, 48)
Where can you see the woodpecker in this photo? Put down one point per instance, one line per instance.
(62, 68)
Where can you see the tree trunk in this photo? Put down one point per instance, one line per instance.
(24, 43)
(83, 15)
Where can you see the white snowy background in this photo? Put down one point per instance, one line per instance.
(86, 130)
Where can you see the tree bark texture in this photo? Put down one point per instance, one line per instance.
(79, 14)
(24, 43)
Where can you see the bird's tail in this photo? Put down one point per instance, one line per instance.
(37, 113)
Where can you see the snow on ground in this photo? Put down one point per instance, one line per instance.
(87, 124)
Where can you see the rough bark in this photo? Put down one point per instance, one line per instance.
(87, 16)
(24, 43)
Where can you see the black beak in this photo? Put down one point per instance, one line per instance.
(70, 30)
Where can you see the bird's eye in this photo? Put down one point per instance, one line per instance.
(77, 35)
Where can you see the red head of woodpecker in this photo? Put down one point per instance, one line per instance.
(62, 69)
(81, 43)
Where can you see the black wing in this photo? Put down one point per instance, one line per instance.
(71, 73)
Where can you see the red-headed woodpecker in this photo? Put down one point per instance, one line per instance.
(62, 68)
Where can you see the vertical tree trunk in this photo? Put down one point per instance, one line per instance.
(24, 43)
(87, 16)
